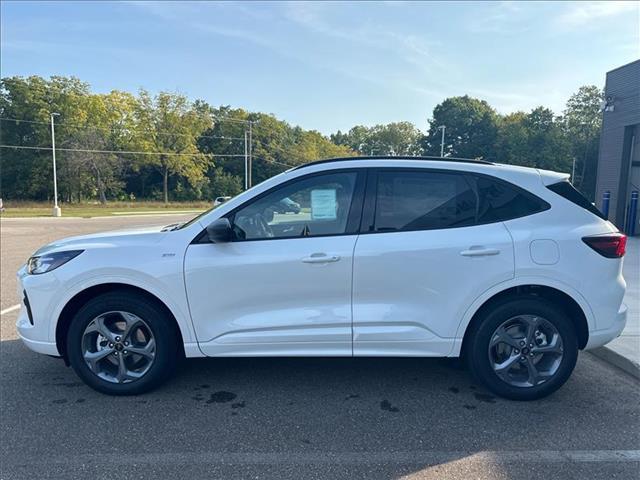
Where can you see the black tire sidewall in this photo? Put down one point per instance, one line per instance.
(158, 322)
(478, 358)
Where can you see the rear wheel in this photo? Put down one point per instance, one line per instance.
(523, 349)
(120, 343)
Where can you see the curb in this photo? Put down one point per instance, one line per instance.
(617, 360)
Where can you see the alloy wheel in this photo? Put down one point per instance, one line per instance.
(525, 351)
(118, 347)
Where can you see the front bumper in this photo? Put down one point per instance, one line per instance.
(29, 336)
(597, 338)
(43, 293)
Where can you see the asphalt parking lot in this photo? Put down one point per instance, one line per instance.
(298, 418)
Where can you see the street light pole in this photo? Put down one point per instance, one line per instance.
(250, 170)
(57, 212)
(442, 128)
(246, 163)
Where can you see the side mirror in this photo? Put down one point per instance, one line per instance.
(220, 231)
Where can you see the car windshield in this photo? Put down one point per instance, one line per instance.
(193, 220)
(171, 227)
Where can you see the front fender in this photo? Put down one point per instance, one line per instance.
(170, 292)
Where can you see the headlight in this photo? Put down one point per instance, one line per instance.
(50, 261)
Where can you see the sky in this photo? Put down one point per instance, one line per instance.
(323, 65)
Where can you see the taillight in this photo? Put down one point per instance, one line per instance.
(610, 246)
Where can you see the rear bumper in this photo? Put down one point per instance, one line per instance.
(597, 338)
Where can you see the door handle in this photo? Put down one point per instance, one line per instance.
(479, 252)
(320, 258)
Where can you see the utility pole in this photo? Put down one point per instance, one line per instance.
(250, 157)
(442, 127)
(57, 212)
(246, 163)
(573, 164)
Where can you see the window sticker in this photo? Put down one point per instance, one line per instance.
(324, 204)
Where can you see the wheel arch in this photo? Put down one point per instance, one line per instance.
(81, 298)
(577, 313)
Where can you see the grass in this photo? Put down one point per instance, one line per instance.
(94, 209)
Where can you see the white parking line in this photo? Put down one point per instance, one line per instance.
(10, 309)
(345, 458)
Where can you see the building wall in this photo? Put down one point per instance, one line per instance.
(618, 127)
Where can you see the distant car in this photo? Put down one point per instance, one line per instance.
(286, 205)
(220, 200)
(509, 267)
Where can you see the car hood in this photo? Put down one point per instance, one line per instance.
(118, 238)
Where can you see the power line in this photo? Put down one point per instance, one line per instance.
(86, 150)
(142, 153)
(106, 129)
(236, 120)
(25, 121)
(275, 161)
(281, 149)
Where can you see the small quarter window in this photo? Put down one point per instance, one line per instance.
(569, 192)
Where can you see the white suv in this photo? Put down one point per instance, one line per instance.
(507, 266)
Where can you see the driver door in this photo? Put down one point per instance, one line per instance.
(283, 285)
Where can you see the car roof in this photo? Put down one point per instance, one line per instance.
(463, 164)
(394, 157)
(527, 177)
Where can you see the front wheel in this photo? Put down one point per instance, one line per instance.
(523, 349)
(121, 343)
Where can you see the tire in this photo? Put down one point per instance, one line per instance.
(149, 331)
(493, 361)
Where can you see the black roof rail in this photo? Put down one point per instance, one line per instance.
(395, 157)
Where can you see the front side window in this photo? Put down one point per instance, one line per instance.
(313, 206)
(413, 200)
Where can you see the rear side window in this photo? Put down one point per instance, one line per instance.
(567, 191)
(500, 201)
(410, 200)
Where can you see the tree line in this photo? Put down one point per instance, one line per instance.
(121, 146)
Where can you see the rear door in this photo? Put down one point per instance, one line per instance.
(420, 261)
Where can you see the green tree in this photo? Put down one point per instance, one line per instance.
(276, 145)
(534, 139)
(107, 123)
(223, 184)
(171, 126)
(184, 138)
(582, 121)
(398, 138)
(548, 146)
(310, 145)
(28, 173)
(225, 139)
(471, 129)
(512, 144)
